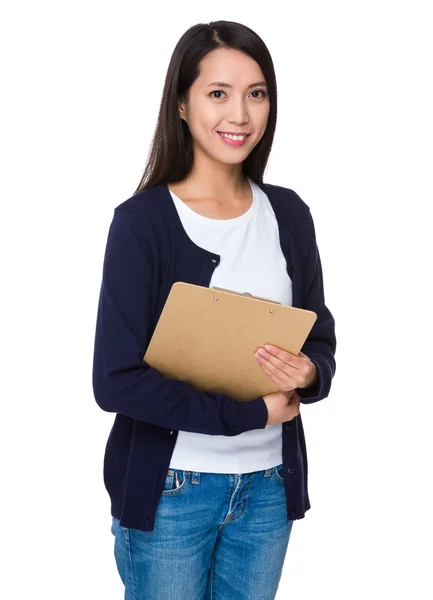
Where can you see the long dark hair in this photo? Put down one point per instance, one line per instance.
(171, 155)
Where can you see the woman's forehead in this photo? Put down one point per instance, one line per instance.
(229, 67)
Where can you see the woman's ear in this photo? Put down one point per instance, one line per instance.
(182, 110)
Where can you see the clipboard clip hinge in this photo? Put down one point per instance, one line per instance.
(246, 294)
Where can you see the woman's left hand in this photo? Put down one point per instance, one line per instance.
(287, 370)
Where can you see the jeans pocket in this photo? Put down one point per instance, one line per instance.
(118, 530)
(175, 482)
(278, 473)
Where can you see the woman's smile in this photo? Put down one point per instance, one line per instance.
(233, 140)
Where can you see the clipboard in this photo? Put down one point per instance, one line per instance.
(207, 336)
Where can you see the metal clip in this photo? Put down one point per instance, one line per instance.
(247, 294)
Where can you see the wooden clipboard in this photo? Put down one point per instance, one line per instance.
(208, 337)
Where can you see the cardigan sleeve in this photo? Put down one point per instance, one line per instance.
(122, 381)
(320, 346)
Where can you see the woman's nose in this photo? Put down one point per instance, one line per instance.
(238, 113)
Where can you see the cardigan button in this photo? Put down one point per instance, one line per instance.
(293, 514)
(290, 471)
(287, 427)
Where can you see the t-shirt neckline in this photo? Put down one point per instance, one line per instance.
(246, 216)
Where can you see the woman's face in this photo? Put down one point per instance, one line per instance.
(229, 96)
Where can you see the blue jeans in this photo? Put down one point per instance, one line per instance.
(216, 537)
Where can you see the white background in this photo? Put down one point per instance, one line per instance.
(82, 82)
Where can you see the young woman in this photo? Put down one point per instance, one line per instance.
(204, 490)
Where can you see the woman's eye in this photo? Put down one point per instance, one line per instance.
(217, 92)
(260, 92)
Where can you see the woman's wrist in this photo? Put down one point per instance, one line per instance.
(312, 379)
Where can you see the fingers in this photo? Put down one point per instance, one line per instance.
(284, 382)
(281, 366)
(275, 356)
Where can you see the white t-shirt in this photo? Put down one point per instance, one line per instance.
(251, 260)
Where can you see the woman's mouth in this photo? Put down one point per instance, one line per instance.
(233, 139)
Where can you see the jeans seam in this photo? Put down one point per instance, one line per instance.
(211, 573)
(131, 578)
(244, 504)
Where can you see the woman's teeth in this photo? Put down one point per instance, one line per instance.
(233, 137)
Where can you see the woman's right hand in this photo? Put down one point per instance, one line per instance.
(282, 406)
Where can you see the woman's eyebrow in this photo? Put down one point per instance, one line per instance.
(227, 85)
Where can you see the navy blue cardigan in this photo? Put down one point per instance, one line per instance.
(147, 251)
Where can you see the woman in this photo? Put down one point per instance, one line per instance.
(204, 490)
